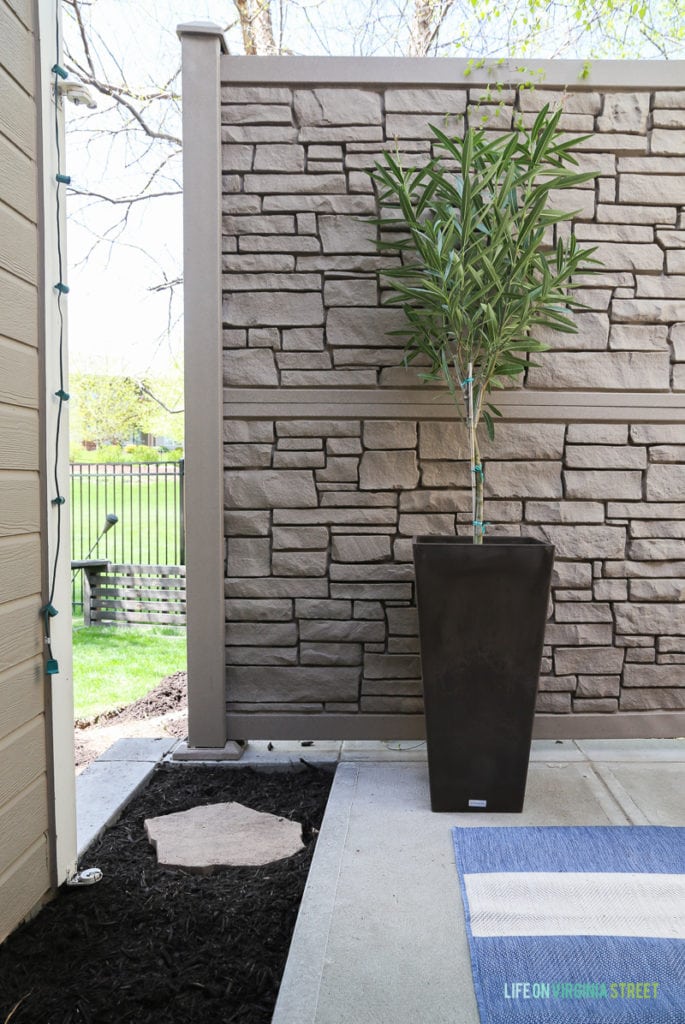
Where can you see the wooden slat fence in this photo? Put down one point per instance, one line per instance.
(135, 594)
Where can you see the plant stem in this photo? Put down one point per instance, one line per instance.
(476, 477)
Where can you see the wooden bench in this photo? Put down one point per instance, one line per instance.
(134, 593)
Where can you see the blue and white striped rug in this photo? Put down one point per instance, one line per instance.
(575, 925)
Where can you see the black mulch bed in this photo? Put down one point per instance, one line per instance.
(156, 945)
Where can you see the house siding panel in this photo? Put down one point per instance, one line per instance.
(24, 847)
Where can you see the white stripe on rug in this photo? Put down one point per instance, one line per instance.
(576, 903)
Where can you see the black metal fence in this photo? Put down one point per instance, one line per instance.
(147, 501)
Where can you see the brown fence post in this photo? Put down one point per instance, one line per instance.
(202, 46)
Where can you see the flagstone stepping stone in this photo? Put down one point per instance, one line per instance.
(222, 835)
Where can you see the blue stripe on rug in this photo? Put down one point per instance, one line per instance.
(564, 976)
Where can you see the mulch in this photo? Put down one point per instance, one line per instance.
(157, 945)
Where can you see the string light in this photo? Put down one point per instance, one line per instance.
(49, 611)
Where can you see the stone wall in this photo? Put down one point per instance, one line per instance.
(334, 458)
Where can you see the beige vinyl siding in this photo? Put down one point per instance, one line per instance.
(24, 790)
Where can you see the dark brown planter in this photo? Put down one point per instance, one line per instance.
(482, 613)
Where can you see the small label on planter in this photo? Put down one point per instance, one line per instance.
(478, 803)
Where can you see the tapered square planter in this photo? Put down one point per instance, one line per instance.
(482, 613)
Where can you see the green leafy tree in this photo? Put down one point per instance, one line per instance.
(478, 271)
(106, 409)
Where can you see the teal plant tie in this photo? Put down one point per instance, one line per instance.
(467, 380)
(59, 500)
(62, 288)
(478, 469)
(52, 667)
(64, 395)
(49, 611)
(483, 523)
(63, 179)
(57, 70)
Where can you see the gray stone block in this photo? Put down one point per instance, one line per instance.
(657, 549)
(334, 654)
(523, 479)
(665, 482)
(343, 446)
(299, 563)
(411, 525)
(580, 633)
(293, 184)
(651, 617)
(247, 610)
(602, 705)
(323, 609)
(336, 107)
(303, 339)
(279, 158)
(350, 292)
(392, 666)
(651, 189)
(584, 542)
(417, 126)
(279, 309)
(388, 470)
(389, 434)
(309, 538)
(665, 589)
(653, 699)
(355, 327)
(271, 282)
(246, 524)
(625, 112)
(271, 634)
(361, 548)
(261, 655)
(368, 610)
(642, 311)
(371, 572)
(425, 101)
(606, 457)
(562, 512)
(339, 468)
(282, 488)
(618, 371)
(598, 686)
(249, 556)
(237, 456)
(299, 683)
(318, 428)
(341, 233)
(281, 224)
(373, 591)
(248, 133)
(298, 460)
(639, 337)
(250, 368)
(239, 431)
(237, 158)
(654, 675)
(249, 263)
(268, 244)
(572, 102)
(403, 621)
(588, 660)
(273, 586)
(553, 703)
(255, 94)
(583, 611)
(336, 631)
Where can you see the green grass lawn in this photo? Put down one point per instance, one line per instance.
(115, 665)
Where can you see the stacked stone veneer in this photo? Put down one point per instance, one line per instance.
(320, 511)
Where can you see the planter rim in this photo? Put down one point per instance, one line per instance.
(435, 539)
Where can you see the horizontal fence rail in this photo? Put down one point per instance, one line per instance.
(147, 500)
(135, 594)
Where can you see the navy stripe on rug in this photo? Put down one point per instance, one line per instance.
(571, 925)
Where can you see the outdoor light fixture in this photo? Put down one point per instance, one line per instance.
(110, 521)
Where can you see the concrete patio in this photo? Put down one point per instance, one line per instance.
(380, 936)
